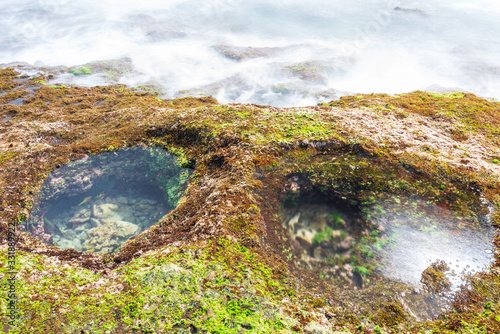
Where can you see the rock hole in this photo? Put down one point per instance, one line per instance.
(97, 203)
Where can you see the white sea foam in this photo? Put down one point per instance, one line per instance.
(383, 49)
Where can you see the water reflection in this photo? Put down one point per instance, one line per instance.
(418, 240)
(403, 249)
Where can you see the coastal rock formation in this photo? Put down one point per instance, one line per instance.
(253, 244)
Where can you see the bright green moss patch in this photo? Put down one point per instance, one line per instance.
(57, 86)
(457, 95)
(324, 235)
(83, 70)
(6, 156)
(165, 291)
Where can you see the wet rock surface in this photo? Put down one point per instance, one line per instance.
(223, 253)
(243, 53)
(434, 277)
(356, 252)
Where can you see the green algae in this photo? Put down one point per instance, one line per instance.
(218, 288)
(114, 69)
(324, 235)
(83, 70)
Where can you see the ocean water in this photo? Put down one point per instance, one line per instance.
(355, 46)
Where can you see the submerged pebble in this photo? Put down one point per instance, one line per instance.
(320, 230)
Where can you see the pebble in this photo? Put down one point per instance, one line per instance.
(80, 228)
(78, 220)
(346, 244)
(95, 222)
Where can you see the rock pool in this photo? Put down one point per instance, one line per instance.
(405, 248)
(97, 203)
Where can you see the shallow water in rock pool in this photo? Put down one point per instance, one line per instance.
(412, 242)
(386, 256)
(97, 203)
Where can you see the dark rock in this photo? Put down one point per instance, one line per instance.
(306, 244)
(434, 278)
(357, 279)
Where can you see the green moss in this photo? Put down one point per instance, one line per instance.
(113, 69)
(317, 303)
(182, 160)
(325, 235)
(6, 156)
(390, 314)
(337, 221)
(362, 270)
(456, 95)
(83, 70)
(221, 291)
(57, 87)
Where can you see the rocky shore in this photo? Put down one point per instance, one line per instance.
(275, 231)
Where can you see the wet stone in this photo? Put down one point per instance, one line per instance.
(319, 229)
(110, 234)
(346, 244)
(16, 102)
(434, 277)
